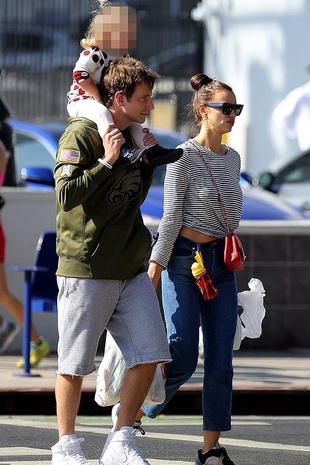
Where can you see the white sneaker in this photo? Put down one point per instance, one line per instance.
(121, 448)
(114, 415)
(68, 452)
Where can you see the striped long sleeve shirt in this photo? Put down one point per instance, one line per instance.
(191, 198)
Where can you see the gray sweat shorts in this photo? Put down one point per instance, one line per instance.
(128, 309)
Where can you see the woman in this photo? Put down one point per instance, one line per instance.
(194, 219)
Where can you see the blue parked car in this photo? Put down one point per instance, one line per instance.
(36, 145)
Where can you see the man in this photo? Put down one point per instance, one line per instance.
(102, 244)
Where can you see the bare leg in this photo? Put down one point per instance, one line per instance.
(210, 438)
(134, 391)
(4, 158)
(13, 305)
(139, 415)
(68, 396)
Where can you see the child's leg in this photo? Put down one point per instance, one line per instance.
(137, 134)
(93, 110)
(98, 113)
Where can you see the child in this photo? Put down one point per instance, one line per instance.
(111, 33)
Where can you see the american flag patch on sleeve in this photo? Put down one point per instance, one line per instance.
(69, 155)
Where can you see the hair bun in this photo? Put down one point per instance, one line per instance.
(199, 80)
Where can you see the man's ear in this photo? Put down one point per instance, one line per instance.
(119, 98)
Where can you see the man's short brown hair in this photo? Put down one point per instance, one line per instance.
(124, 75)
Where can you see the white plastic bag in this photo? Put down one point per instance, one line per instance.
(157, 393)
(111, 374)
(249, 323)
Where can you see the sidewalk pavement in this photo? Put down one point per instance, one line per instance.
(258, 370)
(268, 380)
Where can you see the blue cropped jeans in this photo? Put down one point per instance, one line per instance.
(185, 311)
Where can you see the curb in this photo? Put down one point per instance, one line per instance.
(187, 401)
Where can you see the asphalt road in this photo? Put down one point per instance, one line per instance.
(169, 440)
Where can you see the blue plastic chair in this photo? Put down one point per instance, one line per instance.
(40, 288)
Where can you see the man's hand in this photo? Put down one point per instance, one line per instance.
(112, 141)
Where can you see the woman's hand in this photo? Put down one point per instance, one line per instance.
(154, 272)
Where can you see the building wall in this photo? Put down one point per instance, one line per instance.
(279, 255)
(168, 40)
(261, 48)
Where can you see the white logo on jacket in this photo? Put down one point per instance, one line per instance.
(66, 170)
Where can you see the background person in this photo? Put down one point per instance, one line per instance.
(194, 220)
(102, 244)
(292, 114)
(39, 347)
(6, 136)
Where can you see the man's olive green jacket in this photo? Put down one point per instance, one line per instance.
(100, 230)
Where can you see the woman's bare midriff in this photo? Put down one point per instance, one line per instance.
(196, 236)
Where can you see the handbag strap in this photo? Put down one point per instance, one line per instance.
(219, 197)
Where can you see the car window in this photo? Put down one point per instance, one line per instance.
(296, 175)
(297, 172)
(31, 152)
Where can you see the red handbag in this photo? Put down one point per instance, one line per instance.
(234, 255)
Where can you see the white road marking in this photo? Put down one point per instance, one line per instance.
(9, 451)
(28, 451)
(94, 427)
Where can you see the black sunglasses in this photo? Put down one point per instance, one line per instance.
(227, 108)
